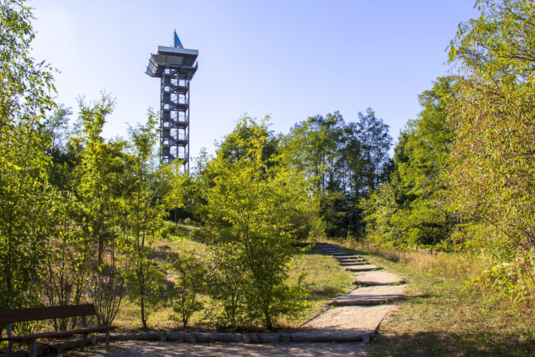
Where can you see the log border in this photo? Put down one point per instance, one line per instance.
(200, 337)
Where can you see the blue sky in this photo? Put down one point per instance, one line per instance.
(290, 59)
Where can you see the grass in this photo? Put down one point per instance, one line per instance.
(323, 278)
(444, 316)
(162, 317)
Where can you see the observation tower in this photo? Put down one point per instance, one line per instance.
(176, 66)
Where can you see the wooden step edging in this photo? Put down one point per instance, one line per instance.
(361, 302)
(378, 283)
(350, 256)
(344, 264)
(361, 268)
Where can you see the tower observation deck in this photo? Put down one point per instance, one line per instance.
(176, 66)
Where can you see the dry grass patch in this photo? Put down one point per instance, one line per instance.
(445, 317)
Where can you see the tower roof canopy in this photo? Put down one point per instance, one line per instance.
(172, 56)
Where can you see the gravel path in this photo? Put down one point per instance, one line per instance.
(362, 309)
(348, 319)
(170, 349)
(377, 278)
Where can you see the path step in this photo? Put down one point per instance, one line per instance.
(352, 263)
(366, 267)
(363, 308)
(376, 295)
(372, 283)
(360, 302)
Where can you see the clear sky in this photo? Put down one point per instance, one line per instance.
(290, 59)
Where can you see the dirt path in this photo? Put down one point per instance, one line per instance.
(170, 349)
(362, 309)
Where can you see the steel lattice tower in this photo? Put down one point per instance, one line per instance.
(176, 66)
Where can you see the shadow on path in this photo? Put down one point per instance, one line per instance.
(431, 344)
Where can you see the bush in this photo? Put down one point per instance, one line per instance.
(191, 272)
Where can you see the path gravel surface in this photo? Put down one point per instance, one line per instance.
(359, 319)
(377, 278)
(170, 349)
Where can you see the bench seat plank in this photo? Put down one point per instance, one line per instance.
(45, 313)
(57, 334)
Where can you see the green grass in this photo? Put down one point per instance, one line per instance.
(444, 318)
(324, 279)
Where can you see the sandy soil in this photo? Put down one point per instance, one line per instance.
(170, 349)
(348, 319)
(378, 277)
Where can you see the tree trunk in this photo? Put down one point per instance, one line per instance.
(100, 251)
(143, 320)
(267, 316)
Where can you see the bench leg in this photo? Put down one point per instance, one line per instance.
(84, 341)
(33, 353)
(8, 351)
(108, 340)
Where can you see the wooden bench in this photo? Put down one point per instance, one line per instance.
(8, 317)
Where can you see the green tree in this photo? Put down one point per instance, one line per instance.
(98, 174)
(492, 176)
(236, 147)
(191, 272)
(314, 147)
(178, 189)
(27, 201)
(98, 180)
(345, 161)
(410, 210)
(249, 214)
(67, 260)
(143, 212)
